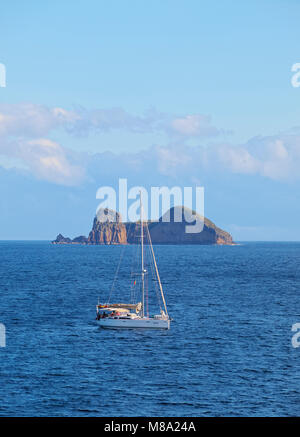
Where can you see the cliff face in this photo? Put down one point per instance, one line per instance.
(110, 230)
(174, 233)
(107, 233)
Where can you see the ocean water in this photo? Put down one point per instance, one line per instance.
(228, 352)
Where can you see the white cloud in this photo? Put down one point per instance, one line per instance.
(194, 125)
(46, 159)
(30, 120)
(236, 159)
(276, 158)
(169, 160)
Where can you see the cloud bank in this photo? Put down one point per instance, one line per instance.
(28, 119)
(25, 134)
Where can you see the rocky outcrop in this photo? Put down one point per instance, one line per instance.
(108, 229)
(108, 233)
(174, 233)
(174, 227)
(80, 240)
(60, 239)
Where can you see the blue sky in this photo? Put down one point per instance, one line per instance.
(161, 92)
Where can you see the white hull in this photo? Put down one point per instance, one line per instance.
(144, 323)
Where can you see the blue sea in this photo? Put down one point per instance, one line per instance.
(228, 352)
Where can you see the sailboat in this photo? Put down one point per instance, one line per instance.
(133, 315)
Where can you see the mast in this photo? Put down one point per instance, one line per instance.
(142, 244)
(156, 270)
